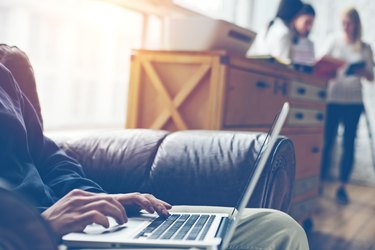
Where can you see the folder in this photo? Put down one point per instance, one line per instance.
(327, 66)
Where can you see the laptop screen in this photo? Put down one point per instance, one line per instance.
(260, 162)
(265, 140)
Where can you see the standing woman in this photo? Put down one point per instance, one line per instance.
(290, 27)
(345, 103)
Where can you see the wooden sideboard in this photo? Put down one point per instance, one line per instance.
(217, 91)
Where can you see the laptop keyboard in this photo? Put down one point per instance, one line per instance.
(178, 227)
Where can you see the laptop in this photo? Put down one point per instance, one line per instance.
(180, 230)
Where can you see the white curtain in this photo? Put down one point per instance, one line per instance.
(80, 51)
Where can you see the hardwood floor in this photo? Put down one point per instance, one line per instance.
(340, 227)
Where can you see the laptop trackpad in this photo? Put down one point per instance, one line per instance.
(129, 228)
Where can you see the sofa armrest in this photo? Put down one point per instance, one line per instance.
(187, 167)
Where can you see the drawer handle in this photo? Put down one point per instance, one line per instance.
(320, 117)
(262, 85)
(315, 150)
(322, 94)
(299, 116)
(301, 91)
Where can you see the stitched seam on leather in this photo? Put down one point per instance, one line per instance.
(150, 163)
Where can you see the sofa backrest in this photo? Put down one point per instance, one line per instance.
(186, 167)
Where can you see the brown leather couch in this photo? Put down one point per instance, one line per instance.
(187, 167)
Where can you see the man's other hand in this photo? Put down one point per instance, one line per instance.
(79, 208)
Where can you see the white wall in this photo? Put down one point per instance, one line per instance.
(80, 52)
(329, 13)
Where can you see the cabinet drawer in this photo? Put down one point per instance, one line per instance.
(253, 99)
(305, 117)
(308, 148)
(303, 91)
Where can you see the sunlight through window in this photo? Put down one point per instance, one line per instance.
(80, 51)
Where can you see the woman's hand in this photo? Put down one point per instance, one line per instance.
(366, 74)
(79, 208)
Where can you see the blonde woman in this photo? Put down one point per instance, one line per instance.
(344, 98)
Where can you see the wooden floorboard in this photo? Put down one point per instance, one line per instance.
(344, 227)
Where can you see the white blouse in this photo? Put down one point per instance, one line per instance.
(276, 41)
(347, 89)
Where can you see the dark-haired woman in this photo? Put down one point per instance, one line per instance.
(288, 32)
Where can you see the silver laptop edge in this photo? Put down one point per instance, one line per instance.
(257, 173)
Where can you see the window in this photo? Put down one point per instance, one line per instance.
(80, 52)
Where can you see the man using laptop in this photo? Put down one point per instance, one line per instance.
(34, 166)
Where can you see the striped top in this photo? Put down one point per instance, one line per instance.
(347, 89)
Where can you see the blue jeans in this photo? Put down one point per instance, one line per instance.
(348, 115)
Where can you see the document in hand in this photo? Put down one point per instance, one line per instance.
(327, 66)
(354, 67)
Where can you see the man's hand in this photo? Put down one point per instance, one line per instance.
(79, 208)
(135, 202)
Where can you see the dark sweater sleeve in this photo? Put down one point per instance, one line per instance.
(59, 173)
(62, 173)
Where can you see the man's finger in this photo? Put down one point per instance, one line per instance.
(106, 208)
(80, 192)
(139, 200)
(159, 206)
(166, 204)
(92, 217)
(145, 201)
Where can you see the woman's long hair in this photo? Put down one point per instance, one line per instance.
(303, 9)
(353, 15)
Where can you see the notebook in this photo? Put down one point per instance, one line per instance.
(182, 230)
(327, 66)
(353, 68)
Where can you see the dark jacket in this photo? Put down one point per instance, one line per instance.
(32, 164)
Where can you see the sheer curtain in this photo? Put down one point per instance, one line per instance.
(80, 51)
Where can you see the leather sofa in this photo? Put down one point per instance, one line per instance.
(186, 167)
